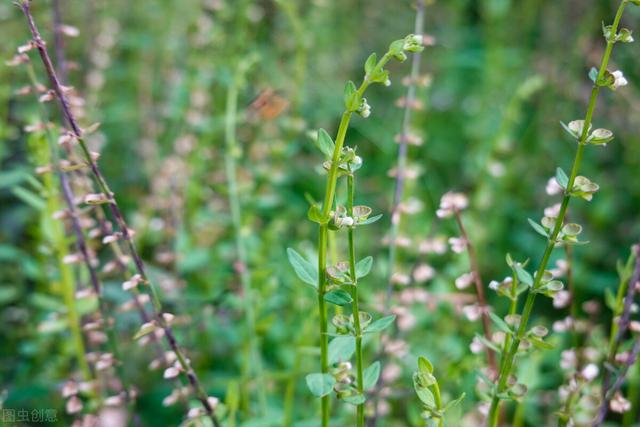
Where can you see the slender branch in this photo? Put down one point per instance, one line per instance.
(402, 152)
(115, 210)
(508, 358)
(81, 244)
(253, 356)
(354, 304)
(477, 280)
(330, 189)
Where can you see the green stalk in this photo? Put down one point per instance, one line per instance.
(354, 304)
(252, 356)
(332, 178)
(508, 358)
(59, 241)
(438, 402)
(619, 307)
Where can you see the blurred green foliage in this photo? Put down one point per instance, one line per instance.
(155, 74)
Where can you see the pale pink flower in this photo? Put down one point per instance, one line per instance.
(450, 203)
(619, 404)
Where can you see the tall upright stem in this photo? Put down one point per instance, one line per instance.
(252, 358)
(402, 152)
(354, 304)
(508, 358)
(477, 280)
(330, 190)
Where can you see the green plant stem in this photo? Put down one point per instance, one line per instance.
(619, 307)
(438, 401)
(508, 358)
(396, 213)
(354, 304)
(67, 278)
(252, 355)
(330, 189)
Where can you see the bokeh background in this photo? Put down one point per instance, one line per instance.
(157, 76)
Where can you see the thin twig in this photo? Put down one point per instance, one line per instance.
(477, 280)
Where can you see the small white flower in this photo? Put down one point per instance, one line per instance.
(552, 211)
(619, 79)
(561, 299)
(590, 372)
(476, 346)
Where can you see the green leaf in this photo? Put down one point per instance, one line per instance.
(325, 143)
(354, 399)
(370, 64)
(338, 297)
(523, 275)
(569, 131)
(593, 74)
(341, 349)
(29, 197)
(501, 324)
(425, 396)
(539, 343)
(145, 329)
(315, 214)
(305, 271)
(370, 220)
(380, 324)
(424, 365)
(351, 101)
(454, 403)
(363, 267)
(562, 178)
(538, 228)
(487, 343)
(320, 384)
(370, 375)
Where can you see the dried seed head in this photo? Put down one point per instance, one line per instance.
(171, 372)
(48, 96)
(18, 59)
(30, 45)
(69, 30)
(132, 283)
(464, 281)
